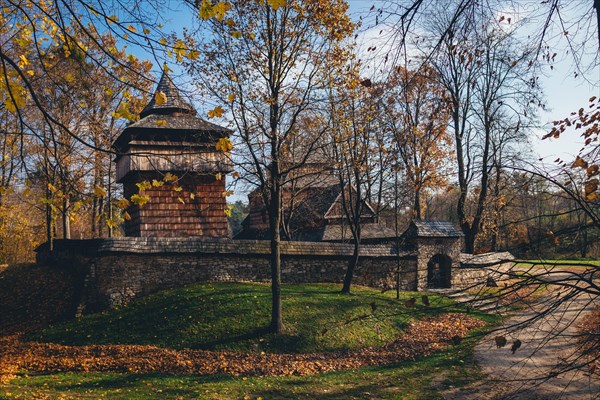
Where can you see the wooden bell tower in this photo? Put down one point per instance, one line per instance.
(171, 138)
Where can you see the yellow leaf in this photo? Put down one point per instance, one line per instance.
(24, 60)
(122, 203)
(217, 112)
(169, 177)
(224, 144)
(178, 188)
(143, 185)
(156, 183)
(220, 9)
(99, 192)
(126, 216)
(236, 34)
(139, 200)
(192, 196)
(51, 188)
(231, 97)
(275, 4)
(181, 200)
(160, 98)
(206, 10)
(163, 41)
(161, 122)
(218, 176)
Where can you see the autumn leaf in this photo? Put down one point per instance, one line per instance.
(275, 4)
(143, 185)
(99, 192)
(122, 203)
(161, 122)
(139, 199)
(220, 9)
(579, 163)
(591, 186)
(160, 98)
(224, 144)
(592, 171)
(217, 112)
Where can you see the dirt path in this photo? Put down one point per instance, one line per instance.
(549, 344)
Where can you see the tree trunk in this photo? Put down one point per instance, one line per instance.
(417, 205)
(469, 239)
(66, 222)
(49, 220)
(94, 216)
(351, 266)
(275, 215)
(495, 239)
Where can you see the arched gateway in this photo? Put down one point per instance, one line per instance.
(439, 272)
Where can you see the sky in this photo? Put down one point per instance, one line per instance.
(564, 93)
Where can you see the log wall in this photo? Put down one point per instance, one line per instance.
(197, 210)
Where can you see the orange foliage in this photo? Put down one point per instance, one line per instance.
(422, 338)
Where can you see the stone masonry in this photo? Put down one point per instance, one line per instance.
(113, 272)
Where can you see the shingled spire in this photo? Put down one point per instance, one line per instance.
(173, 102)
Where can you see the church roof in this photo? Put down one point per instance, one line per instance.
(174, 119)
(181, 122)
(172, 100)
(433, 229)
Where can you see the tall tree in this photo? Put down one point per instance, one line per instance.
(415, 111)
(267, 62)
(492, 90)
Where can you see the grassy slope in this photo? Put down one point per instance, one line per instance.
(231, 316)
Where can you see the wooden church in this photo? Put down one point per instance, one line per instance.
(171, 140)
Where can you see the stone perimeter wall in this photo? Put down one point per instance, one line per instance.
(113, 272)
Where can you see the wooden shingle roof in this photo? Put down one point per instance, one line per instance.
(433, 229)
(172, 100)
(174, 119)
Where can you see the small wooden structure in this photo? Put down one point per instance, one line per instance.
(171, 138)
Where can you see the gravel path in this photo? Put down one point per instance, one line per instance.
(548, 345)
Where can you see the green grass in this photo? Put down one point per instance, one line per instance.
(425, 378)
(559, 265)
(232, 316)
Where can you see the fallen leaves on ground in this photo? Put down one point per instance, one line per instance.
(589, 329)
(421, 338)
